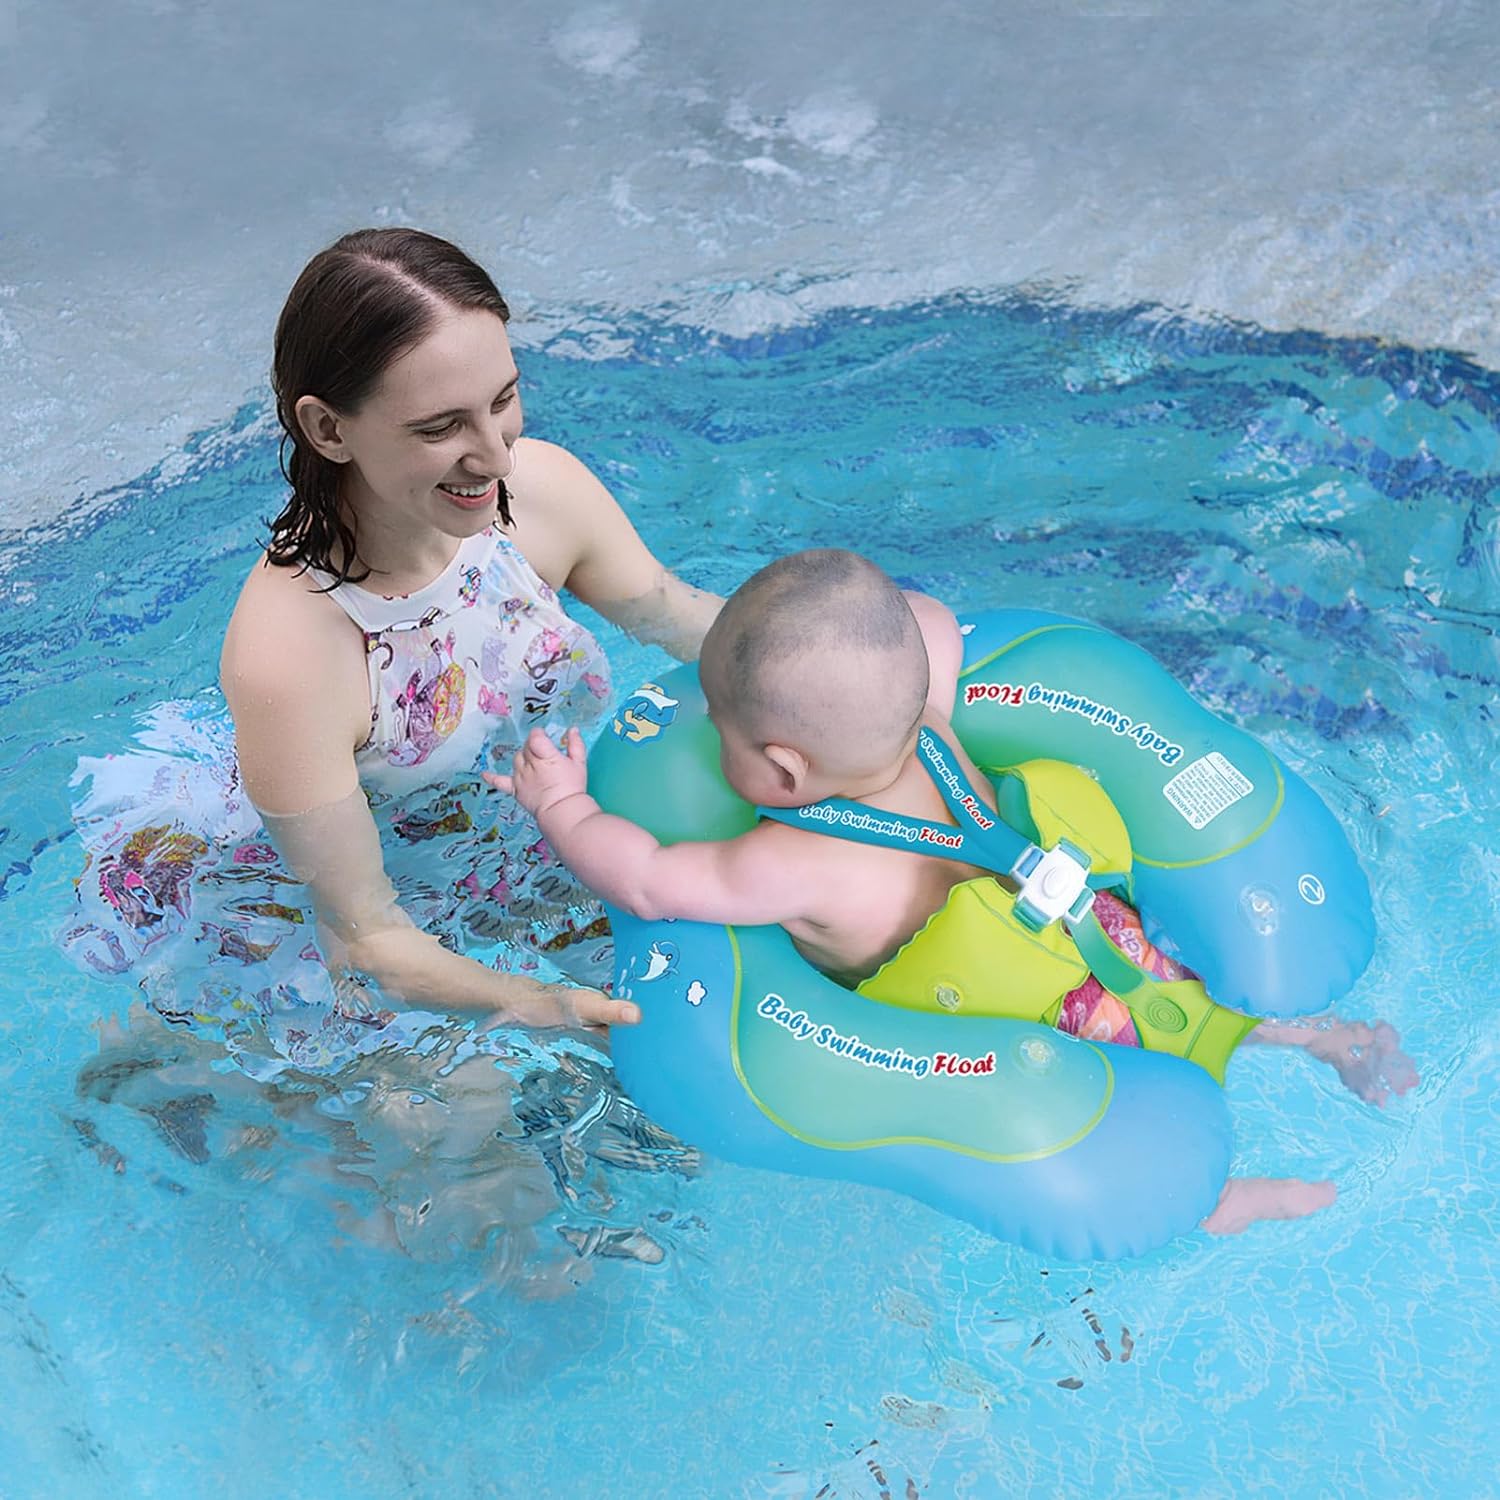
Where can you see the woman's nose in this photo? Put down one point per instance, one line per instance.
(490, 452)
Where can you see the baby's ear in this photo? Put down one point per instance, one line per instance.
(791, 770)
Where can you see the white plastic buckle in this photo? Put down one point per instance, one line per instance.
(1053, 884)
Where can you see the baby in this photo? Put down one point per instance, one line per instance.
(818, 674)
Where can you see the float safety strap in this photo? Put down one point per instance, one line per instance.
(1176, 1018)
(980, 837)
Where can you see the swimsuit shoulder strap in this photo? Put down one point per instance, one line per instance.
(376, 613)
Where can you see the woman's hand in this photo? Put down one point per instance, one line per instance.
(414, 969)
(541, 775)
(561, 1005)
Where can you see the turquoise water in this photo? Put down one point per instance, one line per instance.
(1308, 534)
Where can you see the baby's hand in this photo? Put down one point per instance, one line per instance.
(541, 775)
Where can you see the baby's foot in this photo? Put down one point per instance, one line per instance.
(1369, 1059)
(1248, 1200)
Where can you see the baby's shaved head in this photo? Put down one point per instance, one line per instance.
(819, 650)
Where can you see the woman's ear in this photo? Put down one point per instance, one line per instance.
(322, 427)
(791, 771)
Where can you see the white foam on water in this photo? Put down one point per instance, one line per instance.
(599, 42)
(168, 168)
(432, 135)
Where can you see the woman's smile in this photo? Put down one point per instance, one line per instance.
(470, 496)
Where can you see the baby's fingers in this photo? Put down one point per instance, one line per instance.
(538, 745)
(498, 782)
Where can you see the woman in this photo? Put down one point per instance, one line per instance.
(400, 634)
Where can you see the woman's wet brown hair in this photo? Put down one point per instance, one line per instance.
(357, 307)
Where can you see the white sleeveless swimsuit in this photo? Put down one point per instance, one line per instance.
(460, 672)
(182, 887)
(468, 664)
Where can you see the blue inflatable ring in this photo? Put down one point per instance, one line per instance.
(1073, 1149)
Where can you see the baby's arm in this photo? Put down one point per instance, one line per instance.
(749, 879)
(945, 649)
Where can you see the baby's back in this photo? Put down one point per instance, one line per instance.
(871, 900)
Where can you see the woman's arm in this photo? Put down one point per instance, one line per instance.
(335, 851)
(945, 649)
(295, 735)
(573, 532)
(671, 614)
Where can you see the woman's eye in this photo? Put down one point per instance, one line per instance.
(438, 432)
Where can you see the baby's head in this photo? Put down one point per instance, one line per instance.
(815, 674)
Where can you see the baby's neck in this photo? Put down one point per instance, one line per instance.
(873, 783)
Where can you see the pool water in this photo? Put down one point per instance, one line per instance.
(199, 1289)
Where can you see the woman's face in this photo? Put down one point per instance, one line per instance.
(430, 444)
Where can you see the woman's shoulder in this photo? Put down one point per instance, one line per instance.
(283, 619)
(293, 672)
(557, 503)
(541, 462)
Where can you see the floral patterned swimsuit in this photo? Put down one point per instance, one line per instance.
(182, 888)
